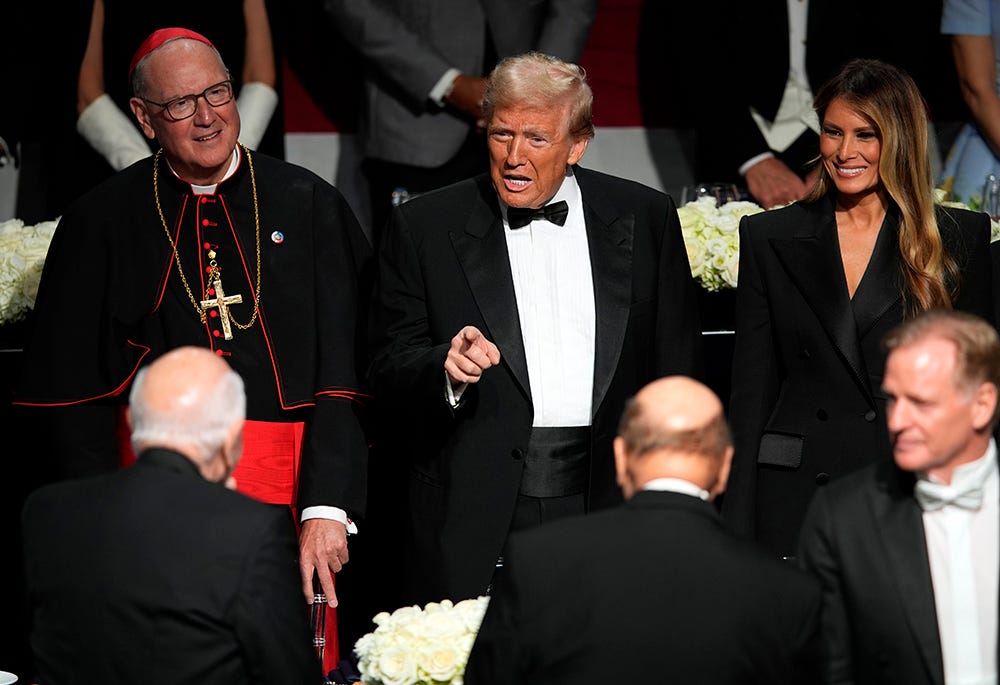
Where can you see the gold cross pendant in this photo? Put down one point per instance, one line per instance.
(222, 302)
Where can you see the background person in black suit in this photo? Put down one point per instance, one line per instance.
(503, 351)
(820, 283)
(908, 551)
(157, 572)
(666, 594)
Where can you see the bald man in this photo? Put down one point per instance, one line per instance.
(157, 571)
(656, 589)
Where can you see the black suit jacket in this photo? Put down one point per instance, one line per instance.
(864, 539)
(153, 575)
(807, 404)
(653, 591)
(444, 265)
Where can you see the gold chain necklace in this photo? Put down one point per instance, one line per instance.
(214, 273)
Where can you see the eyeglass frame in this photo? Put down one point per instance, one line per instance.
(165, 106)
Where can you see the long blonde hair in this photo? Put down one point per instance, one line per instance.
(889, 97)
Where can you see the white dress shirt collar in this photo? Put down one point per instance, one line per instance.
(685, 487)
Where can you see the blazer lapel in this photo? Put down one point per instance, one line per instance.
(609, 237)
(481, 248)
(901, 529)
(811, 257)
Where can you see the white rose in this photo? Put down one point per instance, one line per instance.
(442, 660)
(396, 665)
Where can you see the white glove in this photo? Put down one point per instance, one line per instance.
(256, 103)
(112, 133)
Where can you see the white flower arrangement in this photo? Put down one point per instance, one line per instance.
(22, 256)
(414, 646)
(711, 236)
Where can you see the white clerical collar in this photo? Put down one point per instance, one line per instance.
(685, 487)
(973, 473)
(569, 190)
(234, 162)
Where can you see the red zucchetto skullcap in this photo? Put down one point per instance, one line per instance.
(158, 38)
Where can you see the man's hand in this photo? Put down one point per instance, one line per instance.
(469, 355)
(322, 550)
(467, 95)
(773, 184)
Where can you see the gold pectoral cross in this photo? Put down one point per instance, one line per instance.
(222, 302)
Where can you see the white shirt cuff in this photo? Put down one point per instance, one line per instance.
(453, 395)
(753, 160)
(443, 87)
(332, 514)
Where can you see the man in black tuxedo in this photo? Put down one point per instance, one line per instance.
(908, 551)
(157, 572)
(666, 594)
(505, 345)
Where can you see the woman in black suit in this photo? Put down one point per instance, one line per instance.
(821, 281)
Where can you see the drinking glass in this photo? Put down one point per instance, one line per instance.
(722, 192)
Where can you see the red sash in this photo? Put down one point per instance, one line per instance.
(269, 467)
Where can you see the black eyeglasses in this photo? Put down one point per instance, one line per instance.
(185, 106)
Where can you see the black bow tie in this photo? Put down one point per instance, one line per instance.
(519, 217)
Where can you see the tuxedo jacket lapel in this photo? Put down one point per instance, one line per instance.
(609, 237)
(900, 526)
(482, 252)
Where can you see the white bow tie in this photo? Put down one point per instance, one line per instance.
(933, 496)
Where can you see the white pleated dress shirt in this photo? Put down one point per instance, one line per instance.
(554, 287)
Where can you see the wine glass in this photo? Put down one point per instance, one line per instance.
(722, 192)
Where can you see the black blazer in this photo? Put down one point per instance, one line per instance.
(864, 539)
(153, 575)
(654, 591)
(444, 265)
(806, 403)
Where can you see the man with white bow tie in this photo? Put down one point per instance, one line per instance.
(909, 552)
